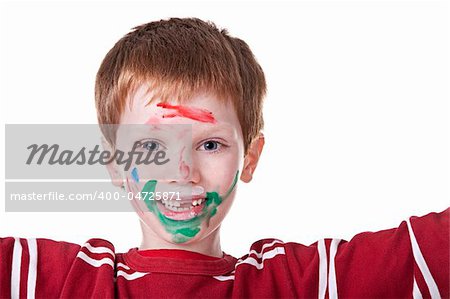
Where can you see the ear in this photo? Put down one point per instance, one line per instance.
(252, 157)
(112, 167)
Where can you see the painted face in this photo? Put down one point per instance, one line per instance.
(186, 198)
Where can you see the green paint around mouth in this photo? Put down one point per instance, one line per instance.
(184, 230)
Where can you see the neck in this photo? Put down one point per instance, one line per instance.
(209, 245)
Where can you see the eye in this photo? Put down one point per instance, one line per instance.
(152, 145)
(210, 145)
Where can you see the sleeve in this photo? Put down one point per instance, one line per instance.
(34, 267)
(410, 261)
(42, 268)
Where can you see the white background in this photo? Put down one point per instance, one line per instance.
(357, 113)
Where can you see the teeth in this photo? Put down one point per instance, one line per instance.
(176, 205)
(197, 202)
(171, 203)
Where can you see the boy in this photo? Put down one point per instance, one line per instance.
(183, 87)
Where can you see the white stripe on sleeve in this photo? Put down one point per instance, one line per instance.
(416, 291)
(131, 276)
(420, 261)
(332, 286)
(32, 268)
(322, 268)
(15, 270)
(267, 255)
(95, 262)
(99, 249)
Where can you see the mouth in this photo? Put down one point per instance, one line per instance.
(184, 209)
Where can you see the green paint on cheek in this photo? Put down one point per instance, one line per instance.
(184, 230)
(214, 198)
(149, 188)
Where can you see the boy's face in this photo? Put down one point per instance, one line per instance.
(186, 197)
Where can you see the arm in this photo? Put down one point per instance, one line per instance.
(45, 268)
(411, 260)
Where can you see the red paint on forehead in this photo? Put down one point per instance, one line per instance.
(153, 121)
(198, 114)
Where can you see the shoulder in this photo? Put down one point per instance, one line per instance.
(49, 268)
(261, 252)
(97, 252)
(52, 249)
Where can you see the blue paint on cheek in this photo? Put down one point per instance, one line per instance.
(135, 175)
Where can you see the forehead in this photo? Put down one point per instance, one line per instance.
(143, 106)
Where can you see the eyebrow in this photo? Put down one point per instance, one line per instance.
(218, 129)
(198, 114)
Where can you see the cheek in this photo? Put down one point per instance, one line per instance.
(219, 169)
(132, 178)
(134, 186)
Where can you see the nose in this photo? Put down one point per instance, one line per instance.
(188, 172)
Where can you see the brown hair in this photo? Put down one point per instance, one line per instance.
(181, 57)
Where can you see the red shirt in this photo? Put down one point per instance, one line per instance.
(176, 254)
(410, 261)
